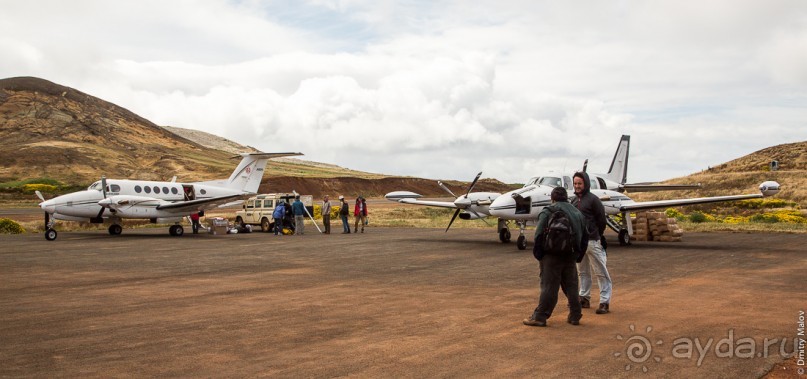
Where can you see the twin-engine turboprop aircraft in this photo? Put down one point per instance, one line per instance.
(523, 205)
(111, 200)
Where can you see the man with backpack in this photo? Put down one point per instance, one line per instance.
(560, 241)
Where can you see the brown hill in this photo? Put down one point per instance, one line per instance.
(744, 174)
(57, 132)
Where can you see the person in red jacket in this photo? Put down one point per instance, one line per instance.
(360, 211)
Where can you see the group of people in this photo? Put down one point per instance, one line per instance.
(297, 209)
(586, 218)
(359, 214)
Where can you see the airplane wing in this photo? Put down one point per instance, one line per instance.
(197, 205)
(640, 206)
(658, 187)
(441, 204)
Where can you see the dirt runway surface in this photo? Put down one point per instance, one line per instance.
(387, 303)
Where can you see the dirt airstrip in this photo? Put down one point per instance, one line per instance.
(387, 303)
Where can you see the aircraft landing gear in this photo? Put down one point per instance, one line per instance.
(521, 242)
(624, 237)
(176, 230)
(50, 233)
(504, 235)
(115, 229)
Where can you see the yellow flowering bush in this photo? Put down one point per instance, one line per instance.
(31, 188)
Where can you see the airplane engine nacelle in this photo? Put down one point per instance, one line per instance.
(769, 188)
(469, 216)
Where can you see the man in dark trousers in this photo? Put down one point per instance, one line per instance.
(591, 207)
(559, 270)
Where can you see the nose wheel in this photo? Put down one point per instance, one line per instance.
(504, 235)
(50, 233)
(521, 242)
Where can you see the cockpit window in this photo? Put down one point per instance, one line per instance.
(567, 182)
(95, 186)
(594, 184)
(550, 181)
(531, 181)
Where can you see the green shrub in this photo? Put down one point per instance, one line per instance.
(10, 227)
(697, 217)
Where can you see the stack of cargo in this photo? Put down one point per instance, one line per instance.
(656, 226)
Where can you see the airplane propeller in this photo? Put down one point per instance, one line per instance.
(103, 191)
(462, 202)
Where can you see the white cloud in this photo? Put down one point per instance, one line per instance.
(440, 90)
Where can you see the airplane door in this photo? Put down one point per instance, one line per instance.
(189, 193)
(523, 205)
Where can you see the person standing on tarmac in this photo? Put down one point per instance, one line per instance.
(278, 214)
(360, 211)
(326, 214)
(344, 213)
(595, 259)
(559, 270)
(299, 216)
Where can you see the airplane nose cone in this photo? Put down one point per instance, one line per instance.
(48, 206)
(502, 206)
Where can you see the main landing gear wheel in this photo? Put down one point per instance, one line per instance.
(504, 235)
(115, 229)
(50, 234)
(624, 237)
(176, 230)
(265, 227)
(521, 242)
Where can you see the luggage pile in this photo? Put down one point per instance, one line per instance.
(656, 226)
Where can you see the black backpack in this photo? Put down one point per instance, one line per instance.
(558, 235)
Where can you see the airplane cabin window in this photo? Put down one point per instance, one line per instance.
(115, 188)
(156, 189)
(174, 190)
(165, 190)
(202, 191)
(138, 189)
(147, 189)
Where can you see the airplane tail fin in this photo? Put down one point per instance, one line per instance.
(248, 174)
(619, 165)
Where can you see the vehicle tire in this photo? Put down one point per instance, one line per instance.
(624, 237)
(504, 235)
(239, 222)
(115, 229)
(50, 234)
(178, 230)
(521, 243)
(265, 225)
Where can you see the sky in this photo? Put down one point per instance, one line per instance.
(439, 89)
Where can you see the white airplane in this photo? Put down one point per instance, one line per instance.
(110, 200)
(523, 205)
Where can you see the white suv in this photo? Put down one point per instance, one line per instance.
(257, 210)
